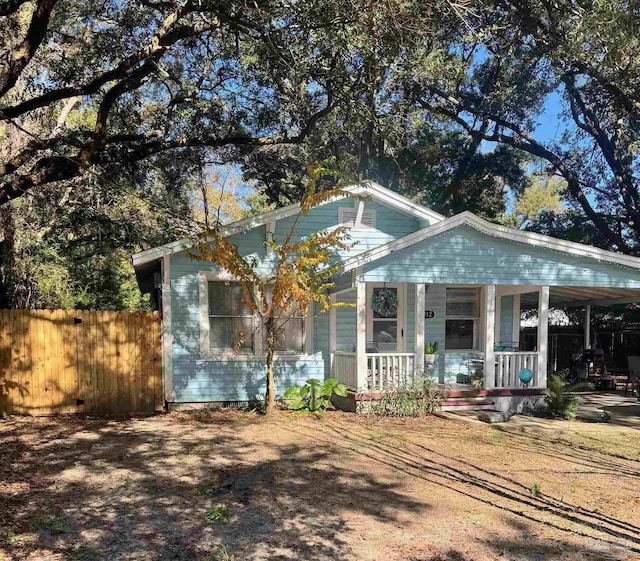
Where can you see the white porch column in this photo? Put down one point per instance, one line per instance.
(543, 335)
(361, 332)
(489, 336)
(332, 332)
(419, 315)
(587, 326)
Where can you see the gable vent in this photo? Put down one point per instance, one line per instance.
(347, 217)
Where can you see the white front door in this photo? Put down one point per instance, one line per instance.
(385, 318)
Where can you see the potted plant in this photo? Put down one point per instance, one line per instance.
(430, 350)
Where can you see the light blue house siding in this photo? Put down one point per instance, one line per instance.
(466, 256)
(505, 332)
(229, 379)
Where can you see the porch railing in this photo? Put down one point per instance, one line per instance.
(384, 370)
(509, 365)
(390, 370)
(344, 369)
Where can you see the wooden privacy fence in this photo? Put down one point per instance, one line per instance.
(66, 361)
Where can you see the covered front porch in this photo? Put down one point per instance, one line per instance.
(476, 329)
(376, 345)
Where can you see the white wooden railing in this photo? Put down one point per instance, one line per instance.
(345, 369)
(384, 370)
(390, 370)
(509, 365)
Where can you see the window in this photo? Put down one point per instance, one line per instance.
(462, 318)
(231, 323)
(291, 333)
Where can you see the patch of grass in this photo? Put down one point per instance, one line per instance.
(13, 539)
(52, 524)
(222, 555)
(536, 490)
(218, 513)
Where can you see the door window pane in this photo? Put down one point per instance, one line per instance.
(385, 335)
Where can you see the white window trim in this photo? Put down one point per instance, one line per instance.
(478, 335)
(203, 312)
(356, 225)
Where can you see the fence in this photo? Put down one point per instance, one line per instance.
(66, 361)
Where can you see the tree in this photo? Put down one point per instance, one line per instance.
(522, 58)
(301, 278)
(214, 79)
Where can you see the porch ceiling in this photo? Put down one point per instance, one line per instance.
(564, 297)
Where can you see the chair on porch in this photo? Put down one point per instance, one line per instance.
(634, 375)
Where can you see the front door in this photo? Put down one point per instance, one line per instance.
(385, 318)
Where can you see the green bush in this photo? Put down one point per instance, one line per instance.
(315, 395)
(423, 397)
(561, 400)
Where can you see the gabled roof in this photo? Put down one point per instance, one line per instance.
(495, 230)
(369, 188)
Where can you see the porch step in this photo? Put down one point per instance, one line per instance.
(466, 404)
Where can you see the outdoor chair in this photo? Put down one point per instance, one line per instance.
(634, 375)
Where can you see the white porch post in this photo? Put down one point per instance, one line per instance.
(489, 336)
(587, 326)
(361, 332)
(332, 333)
(419, 315)
(543, 335)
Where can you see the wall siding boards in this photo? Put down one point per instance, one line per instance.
(434, 327)
(506, 321)
(466, 256)
(198, 380)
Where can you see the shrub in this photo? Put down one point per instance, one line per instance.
(423, 397)
(315, 395)
(561, 400)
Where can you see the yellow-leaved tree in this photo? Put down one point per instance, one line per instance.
(301, 277)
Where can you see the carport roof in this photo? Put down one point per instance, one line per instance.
(570, 296)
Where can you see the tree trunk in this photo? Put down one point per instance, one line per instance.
(270, 395)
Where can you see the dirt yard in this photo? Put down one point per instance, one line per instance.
(232, 485)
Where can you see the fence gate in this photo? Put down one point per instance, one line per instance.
(66, 361)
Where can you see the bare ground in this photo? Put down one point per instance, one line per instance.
(234, 485)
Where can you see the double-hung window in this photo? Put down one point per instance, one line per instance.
(290, 332)
(231, 323)
(462, 325)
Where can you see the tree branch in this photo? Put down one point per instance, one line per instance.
(22, 53)
(524, 141)
(9, 7)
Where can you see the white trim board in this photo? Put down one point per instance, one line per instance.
(366, 189)
(495, 230)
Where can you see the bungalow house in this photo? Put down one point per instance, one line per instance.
(413, 277)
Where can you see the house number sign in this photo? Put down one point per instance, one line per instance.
(429, 314)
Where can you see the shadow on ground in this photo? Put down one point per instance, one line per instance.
(99, 489)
